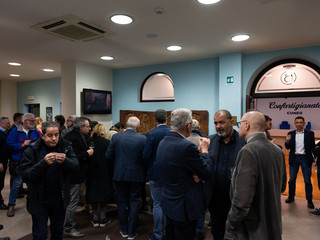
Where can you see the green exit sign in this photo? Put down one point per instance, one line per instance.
(230, 79)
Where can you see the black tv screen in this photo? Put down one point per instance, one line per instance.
(96, 101)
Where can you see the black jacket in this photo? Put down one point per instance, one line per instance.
(4, 148)
(34, 169)
(80, 147)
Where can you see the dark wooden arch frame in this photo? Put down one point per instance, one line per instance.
(284, 94)
(144, 82)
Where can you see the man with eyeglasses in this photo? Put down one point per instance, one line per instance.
(44, 167)
(81, 129)
(18, 140)
(258, 179)
(223, 151)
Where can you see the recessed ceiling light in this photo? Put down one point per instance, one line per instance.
(14, 75)
(106, 58)
(14, 64)
(174, 48)
(241, 37)
(121, 19)
(47, 70)
(208, 1)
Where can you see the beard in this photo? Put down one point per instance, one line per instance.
(225, 134)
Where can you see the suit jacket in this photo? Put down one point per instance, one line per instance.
(4, 149)
(150, 150)
(309, 145)
(237, 144)
(125, 150)
(178, 159)
(80, 148)
(258, 179)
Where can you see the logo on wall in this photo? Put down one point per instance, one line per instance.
(288, 77)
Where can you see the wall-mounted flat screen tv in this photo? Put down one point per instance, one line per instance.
(96, 101)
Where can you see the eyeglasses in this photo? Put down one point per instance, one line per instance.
(239, 123)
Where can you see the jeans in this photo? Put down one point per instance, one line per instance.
(155, 191)
(16, 183)
(128, 200)
(200, 222)
(180, 230)
(71, 208)
(40, 222)
(306, 171)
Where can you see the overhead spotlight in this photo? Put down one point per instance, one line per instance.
(208, 1)
(106, 58)
(14, 64)
(240, 38)
(174, 48)
(121, 19)
(14, 75)
(47, 70)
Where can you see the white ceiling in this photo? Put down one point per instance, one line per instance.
(203, 31)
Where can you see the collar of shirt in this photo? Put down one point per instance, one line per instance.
(3, 130)
(232, 139)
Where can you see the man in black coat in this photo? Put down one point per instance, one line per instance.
(77, 137)
(301, 144)
(45, 166)
(224, 148)
(4, 155)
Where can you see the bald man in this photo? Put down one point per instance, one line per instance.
(258, 179)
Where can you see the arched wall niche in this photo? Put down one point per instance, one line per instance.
(157, 87)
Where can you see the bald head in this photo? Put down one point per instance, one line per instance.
(251, 122)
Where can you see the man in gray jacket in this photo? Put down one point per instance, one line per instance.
(258, 179)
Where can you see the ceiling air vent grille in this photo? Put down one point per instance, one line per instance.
(73, 28)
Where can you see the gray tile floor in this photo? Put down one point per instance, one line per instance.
(297, 223)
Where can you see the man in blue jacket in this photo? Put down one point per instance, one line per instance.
(149, 154)
(125, 150)
(301, 144)
(18, 140)
(179, 160)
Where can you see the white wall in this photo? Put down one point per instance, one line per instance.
(94, 77)
(8, 98)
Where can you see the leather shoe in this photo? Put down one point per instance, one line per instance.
(1, 226)
(4, 238)
(73, 234)
(3, 207)
(310, 204)
(315, 213)
(289, 200)
(11, 211)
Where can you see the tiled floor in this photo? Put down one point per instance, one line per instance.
(297, 223)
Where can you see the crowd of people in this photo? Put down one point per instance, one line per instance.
(237, 175)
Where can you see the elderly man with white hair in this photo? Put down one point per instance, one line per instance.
(125, 150)
(18, 139)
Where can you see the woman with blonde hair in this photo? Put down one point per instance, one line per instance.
(39, 122)
(99, 180)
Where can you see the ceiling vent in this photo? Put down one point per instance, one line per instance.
(73, 28)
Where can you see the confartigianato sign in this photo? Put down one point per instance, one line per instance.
(286, 109)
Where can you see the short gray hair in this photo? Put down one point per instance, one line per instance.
(2, 119)
(26, 116)
(180, 118)
(73, 117)
(195, 124)
(80, 122)
(224, 111)
(49, 124)
(133, 122)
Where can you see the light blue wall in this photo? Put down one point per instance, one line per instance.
(196, 86)
(46, 92)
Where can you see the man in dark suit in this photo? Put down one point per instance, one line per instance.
(125, 150)
(301, 144)
(149, 154)
(178, 161)
(81, 129)
(4, 155)
(224, 148)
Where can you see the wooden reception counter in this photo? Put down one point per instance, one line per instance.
(280, 137)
